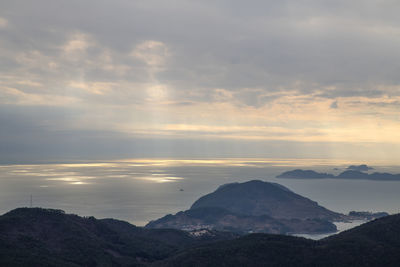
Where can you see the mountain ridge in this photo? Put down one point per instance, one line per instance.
(47, 237)
(347, 174)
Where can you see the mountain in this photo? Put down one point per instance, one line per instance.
(353, 175)
(376, 243)
(253, 206)
(263, 198)
(223, 220)
(366, 215)
(47, 237)
(304, 174)
(348, 174)
(361, 168)
(384, 176)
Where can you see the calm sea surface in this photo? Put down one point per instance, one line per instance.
(140, 190)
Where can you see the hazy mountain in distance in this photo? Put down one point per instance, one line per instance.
(351, 172)
(305, 174)
(360, 168)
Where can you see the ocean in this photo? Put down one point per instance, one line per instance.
(140, 190)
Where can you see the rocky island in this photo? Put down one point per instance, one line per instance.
(253, 206)
(351, 172)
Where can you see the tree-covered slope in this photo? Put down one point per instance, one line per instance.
(46, 237)
(376, 243)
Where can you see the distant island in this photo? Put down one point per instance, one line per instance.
(361, 168)
(352, 172)
(367, 215)
(256, 207)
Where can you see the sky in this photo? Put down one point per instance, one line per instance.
(87, 80)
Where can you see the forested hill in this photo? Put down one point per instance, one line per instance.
(376, 243)
(48, 237)
(45, 237)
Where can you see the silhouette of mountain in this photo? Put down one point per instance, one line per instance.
(353, 175)
(367, 215)
(47, 237)
(305, 174)
(361, 168)
(348, 174)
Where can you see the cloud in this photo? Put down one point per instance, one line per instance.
(153, 53)
(264, 70)
(97, 88)
(77, 43)
(3, 22)
(219, 45)
(17, 97)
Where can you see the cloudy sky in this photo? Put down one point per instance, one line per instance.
(151, 78)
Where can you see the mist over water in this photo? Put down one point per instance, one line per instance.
(141, 190)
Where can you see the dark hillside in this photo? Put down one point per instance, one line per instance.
(376, 243)
(47, 237)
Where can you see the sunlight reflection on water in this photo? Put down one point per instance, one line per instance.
(140, 190)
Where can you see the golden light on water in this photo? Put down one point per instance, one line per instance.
(251, 162)
(160, 179)
(155, 170)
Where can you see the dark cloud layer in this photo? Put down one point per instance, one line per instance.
(262, 44)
